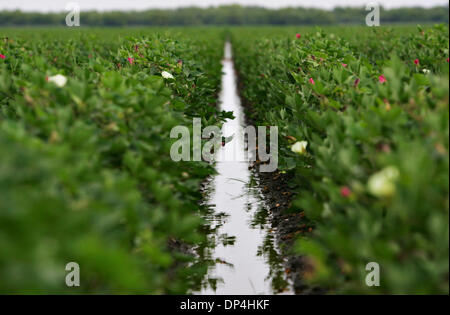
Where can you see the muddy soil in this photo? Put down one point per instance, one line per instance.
(288, 227)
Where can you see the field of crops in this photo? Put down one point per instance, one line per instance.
(86, 173)
(369, 113)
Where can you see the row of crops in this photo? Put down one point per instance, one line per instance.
(86, 174)
(364, 128)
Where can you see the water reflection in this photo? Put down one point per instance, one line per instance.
(241, 253)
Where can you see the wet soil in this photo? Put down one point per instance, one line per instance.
(287, 226)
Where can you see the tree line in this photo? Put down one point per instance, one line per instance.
(228, 15)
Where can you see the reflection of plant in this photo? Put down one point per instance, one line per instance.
(269, 249)
(227, 240)
(277, 273)
(205, 251)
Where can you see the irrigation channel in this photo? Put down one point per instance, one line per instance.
(244, 254)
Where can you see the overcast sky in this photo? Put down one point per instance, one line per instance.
(59, 5)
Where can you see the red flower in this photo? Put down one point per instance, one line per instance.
(357, 82)
(298, 36)
(416, 62)
(447, 59)
(344, 65)
(382, 79)
(311, 80)
(130, 60)
(345, 192)
(2, 56)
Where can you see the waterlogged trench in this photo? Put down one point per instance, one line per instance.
(244, 252)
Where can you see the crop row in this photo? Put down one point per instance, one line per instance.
(85, 172)
(364, 129)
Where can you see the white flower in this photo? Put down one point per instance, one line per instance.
(167, 75)
(299, 147)
(58, 79)
(426, 71)
(382, 184)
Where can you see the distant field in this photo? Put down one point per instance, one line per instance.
(268, 30)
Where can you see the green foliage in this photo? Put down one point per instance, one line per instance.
(85, 171)
(375, 174)
(86, 175)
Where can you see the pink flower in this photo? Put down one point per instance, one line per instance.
(447, 60)
(130, 60)
(298, 36)
(382, 79)
(345, 192)
(416, 62)
(344, 65)
(2, 56)
(311, 80)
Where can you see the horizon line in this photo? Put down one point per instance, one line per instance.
(181, 7)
